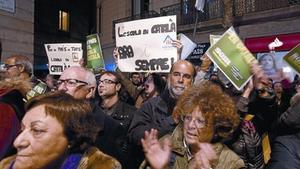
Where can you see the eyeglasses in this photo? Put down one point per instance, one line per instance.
(107, 81)
(199, 122)
(70, 82)
(6, 66)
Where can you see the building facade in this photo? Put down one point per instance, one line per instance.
(62, 21)
(250, 18)
(17, 27)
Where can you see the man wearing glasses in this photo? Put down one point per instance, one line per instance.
(78, 82)
(18, 66)
(109, 89)
(81, 84)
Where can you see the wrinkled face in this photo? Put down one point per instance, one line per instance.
(74, 83)
(135, 78)
(277, 87)
(192, 123)
(12, 70)
(180, 78)
(149, 86)
(108, 86)
(41, 143)
(267, 62)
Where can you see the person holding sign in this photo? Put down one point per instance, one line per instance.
(196, 141)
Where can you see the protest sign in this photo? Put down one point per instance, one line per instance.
(293, 58)
(232, 58)
(188, 46)
(214, 39)
(146, 45)
(95, 59)
(62, 56)
(39, 89)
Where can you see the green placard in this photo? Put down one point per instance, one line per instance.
(293, 58)
(233, 58)
(95, 59)
(39, 89)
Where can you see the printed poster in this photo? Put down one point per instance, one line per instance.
(95, 59)
(232, 58)
(293, 58)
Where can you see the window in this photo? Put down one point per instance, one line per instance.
(63, 24)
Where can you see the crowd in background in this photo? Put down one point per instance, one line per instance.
(192, 117)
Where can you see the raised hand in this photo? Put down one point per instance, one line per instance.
(204, 157)
(156, 154)
(116, 55)
(179, 47)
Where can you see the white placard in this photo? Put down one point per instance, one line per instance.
(188, 46)
(8, 5)
(146, 45)
(62, 56)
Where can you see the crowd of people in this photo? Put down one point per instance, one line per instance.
(187, 119)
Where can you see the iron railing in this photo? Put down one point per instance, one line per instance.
(213, 9)
(186, 13)
(241, 7)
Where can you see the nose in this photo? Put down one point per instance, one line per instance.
(62, 87)
(192, 125)
(21, 141)
(180, 80)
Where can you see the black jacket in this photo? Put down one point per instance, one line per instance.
(285, 152)
(286, 148)
(155, 113)
(123, 113)
(112, 136)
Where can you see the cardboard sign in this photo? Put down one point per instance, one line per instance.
(95, 59)
(146, 45)
(62, 56)
(233, 58)
(293, 58)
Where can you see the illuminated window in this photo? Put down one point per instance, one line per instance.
(63, 21)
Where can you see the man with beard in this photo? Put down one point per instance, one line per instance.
(108, 89)
(156, 113)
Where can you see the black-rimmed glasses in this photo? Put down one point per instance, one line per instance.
(107, 81)
(7, 66)
(70, 82)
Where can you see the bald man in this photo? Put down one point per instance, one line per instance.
(81, 84)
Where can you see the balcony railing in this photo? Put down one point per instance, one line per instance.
(242, 7)
(186, 14)
(213, 9)
(149, 14)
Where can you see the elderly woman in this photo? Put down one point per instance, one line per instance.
(56, 132)
(206, 117)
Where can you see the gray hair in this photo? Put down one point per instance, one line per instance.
(23, 60)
